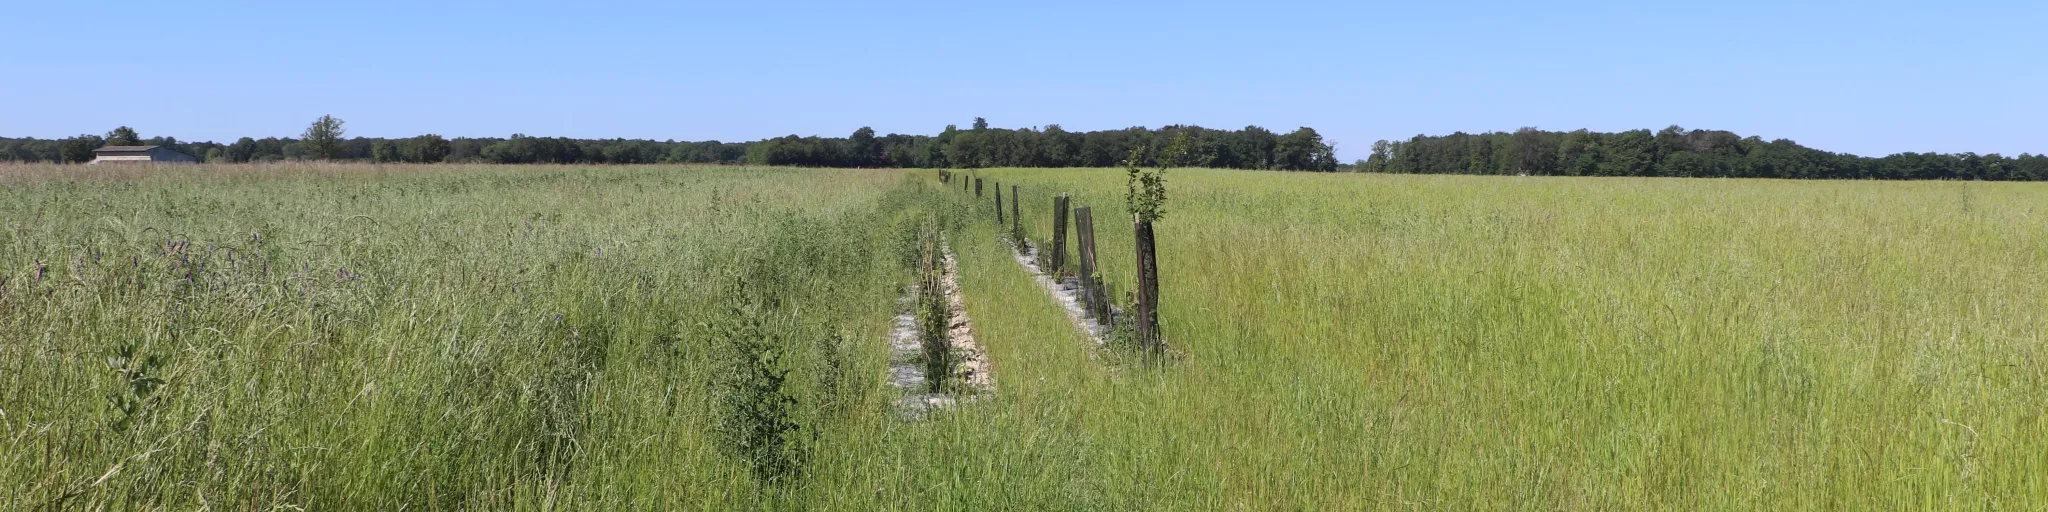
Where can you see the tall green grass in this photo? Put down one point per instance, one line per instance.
(360, 337)
(1473, 342)
(542, 337)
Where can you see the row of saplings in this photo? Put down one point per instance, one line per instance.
(1134, 325)
(759, 332)
(759, 421)
(934, 315)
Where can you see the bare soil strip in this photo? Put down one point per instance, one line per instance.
(906, 370)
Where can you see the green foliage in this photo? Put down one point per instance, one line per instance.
(521, 149)
(839, 378)
(933, 322)
(1304, 150)
(384, 151)
(140, 376)
(758, 424)
(426, 149)
(322, 139)
(1249, 148)
(862, 148)
(1676, 152)
(1668, 152)
(243, 150)
(908, 242)
(1145, 191)
(1382, 152)
(79, 149)
(123, 136)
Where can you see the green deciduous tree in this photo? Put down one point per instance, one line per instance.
(1304, 150)
(243, 150)
(429, 148)
(384, 151)
(79, 149)
(863, 149)
(323, 138)
(1382, 153)
(123, 136)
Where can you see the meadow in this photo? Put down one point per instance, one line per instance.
(559, 337)
(1607, 343)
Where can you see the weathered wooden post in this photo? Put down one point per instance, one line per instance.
(1148, 283)
(1091, 284)
(1016, 212)
(977, 187)
(1059, 233)
(999, 204)
(1147, 199)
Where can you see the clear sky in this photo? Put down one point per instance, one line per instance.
(1869, 78)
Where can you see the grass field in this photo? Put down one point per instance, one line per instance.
(446, 337)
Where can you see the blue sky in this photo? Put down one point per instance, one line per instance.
(1869, 78)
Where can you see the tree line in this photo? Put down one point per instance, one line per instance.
(1672, 151)
(978, 146)
(1676, 152)
(421, 149)
(981, 146)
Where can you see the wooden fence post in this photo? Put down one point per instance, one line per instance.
(1059, 233)
(999, 204)
(977, 187)
(1091, 284)
(1148, 284)
(1016, 212)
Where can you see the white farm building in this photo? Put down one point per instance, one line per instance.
(140, 155)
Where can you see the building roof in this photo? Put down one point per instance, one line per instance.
(123, 149)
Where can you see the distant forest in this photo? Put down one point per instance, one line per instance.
(1672, 151)
(978, 146)
(1676, 152)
